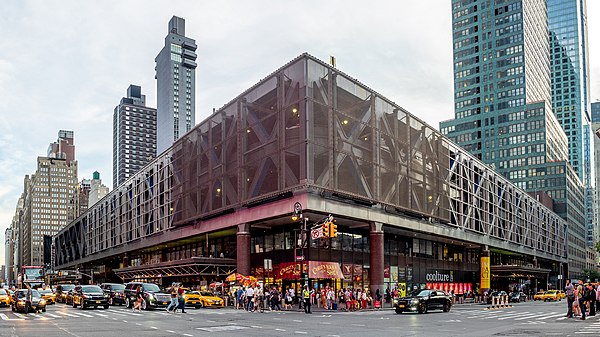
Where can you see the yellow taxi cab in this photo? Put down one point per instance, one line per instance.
(48, 295)
(192, 298)
(562, 294)
(209, 300)
(539, 296)
(5, 297)
(552, 295)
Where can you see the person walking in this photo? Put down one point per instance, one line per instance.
(28, 298)
(173, 293)
(181, 299)
(306, 297)
(591, 299)
(250, 298)
(569, 291)
(581, 299)
(139, 298)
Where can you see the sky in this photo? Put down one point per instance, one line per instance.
(65, 65)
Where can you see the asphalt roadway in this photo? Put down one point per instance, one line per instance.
(524, 319)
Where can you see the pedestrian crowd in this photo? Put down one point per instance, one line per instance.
(582, 299)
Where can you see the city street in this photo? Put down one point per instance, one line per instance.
(524, 319)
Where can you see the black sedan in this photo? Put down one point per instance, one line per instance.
(19, 302)
(517, 296)
(88, 296)
(115, 292)
(424, 300)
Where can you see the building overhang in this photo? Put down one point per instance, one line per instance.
(195, 266)
(514, 271)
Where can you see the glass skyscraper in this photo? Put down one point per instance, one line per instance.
(176, 86)
(570, 92)
(503, 111)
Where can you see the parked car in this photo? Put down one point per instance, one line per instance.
(87, 296)
(154, 296)
(424, 300)
(48, 295)
(500, 295)
(115, 292)
(517, 296)
(4, 297)
(539, 296)
(18, 301)
(61, 292)
(552, 295)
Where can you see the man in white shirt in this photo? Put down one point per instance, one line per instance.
(249, 298)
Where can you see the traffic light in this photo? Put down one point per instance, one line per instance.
(325, 227)
(332, 230)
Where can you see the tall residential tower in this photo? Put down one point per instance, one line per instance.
(134, 135)
(176, 85)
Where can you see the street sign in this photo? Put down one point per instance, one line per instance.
(317, 233)
(268, 264)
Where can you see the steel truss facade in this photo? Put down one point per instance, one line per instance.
(309, 127)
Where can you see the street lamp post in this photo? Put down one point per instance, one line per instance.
(297, 215)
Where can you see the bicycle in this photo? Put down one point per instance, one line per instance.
(260, 305)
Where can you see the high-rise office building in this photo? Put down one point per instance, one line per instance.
(567, 21)
(594, 232)
(134, 135)
(176, 85)
(595, 112)
(503, 112)
(46, 197)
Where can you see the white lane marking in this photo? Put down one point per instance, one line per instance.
(301, 332)
(84, 315)
(358, 325)
(297, 320)
(550, 316)
(279, 329)
(101, 315)
(53, 315)
(530, 316)
(171, 331)
(153, 327)
(223, 328)
(124, 321)
(5, 318)
(20, 315)
(116, 313)
(187, 334)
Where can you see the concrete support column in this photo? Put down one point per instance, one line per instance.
(243, 249)
(376, 258)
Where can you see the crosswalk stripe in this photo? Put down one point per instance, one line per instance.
(5, 318)
(52, 315)
(509, 315)
(67, 314)
(551, 316)
(84, 315)
(19, 315)
(532, 316)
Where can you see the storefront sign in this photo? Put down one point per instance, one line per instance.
(321, 269)
(351, 269)
(485, 272)
(386, 272)
(287, 271)
(439, 277)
